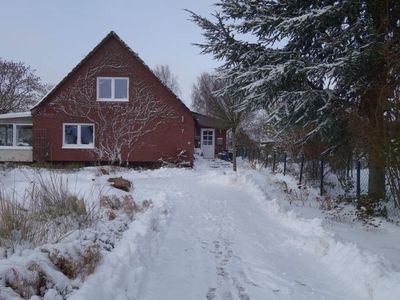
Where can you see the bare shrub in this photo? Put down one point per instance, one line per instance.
(293, 195)
(326, 203)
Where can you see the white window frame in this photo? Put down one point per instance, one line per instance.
(14, 146)
(112, 99)
(78, 145)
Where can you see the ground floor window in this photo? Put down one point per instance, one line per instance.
(78, 135)
(15, 135)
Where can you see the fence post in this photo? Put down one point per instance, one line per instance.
(322, 177)
(284, 163)
(358, 183)
(301, 169)
(274, 162)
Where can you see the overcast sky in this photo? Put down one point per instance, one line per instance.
(53, 36)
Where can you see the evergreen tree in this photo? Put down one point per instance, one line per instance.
(313, 62)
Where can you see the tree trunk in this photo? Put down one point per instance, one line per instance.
(376, 182)
(376, 97)
(375, 134)
(234, 149)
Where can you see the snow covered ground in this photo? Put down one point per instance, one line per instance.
(213, 234)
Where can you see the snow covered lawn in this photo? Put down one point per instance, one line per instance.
(213, 234)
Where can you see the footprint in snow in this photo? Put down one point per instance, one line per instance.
(211, 294)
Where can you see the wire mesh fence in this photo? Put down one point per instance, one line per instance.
(350, 178)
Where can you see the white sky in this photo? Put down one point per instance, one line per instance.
(53, 36)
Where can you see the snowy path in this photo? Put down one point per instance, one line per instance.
(221, 245)
(213, 234)
(217, 235)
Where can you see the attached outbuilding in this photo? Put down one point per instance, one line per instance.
(210, 135)
(16, 137)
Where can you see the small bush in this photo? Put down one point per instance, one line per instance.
(368, 208)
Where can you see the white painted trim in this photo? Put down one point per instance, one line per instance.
(14, 146)
(213, 140)
(16, 115)
(78, 145)
(112, 99)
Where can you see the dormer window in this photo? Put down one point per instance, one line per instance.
(112, 89)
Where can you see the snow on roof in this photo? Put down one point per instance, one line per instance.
(24, 114)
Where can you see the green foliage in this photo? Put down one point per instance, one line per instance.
(324, 66)
(307, 62)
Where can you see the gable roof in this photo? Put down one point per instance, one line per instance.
(90, 54)
(207, 121)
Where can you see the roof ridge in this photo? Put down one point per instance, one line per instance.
(108, 36)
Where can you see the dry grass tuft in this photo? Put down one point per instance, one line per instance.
(65, 264)
(125, 203)
(129, 206)
(46, 214)
(82, 265)
(16, 224)
(91, 257)
(110, 202)
(33, 283)
(146, 204)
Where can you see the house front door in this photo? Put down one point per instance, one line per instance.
(207, 142)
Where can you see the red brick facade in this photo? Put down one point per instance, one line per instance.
(164, 134)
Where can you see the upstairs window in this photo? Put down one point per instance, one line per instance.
(15, 135)
(112, 88)
(79, 136)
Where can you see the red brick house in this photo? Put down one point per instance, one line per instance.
(109, 108)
